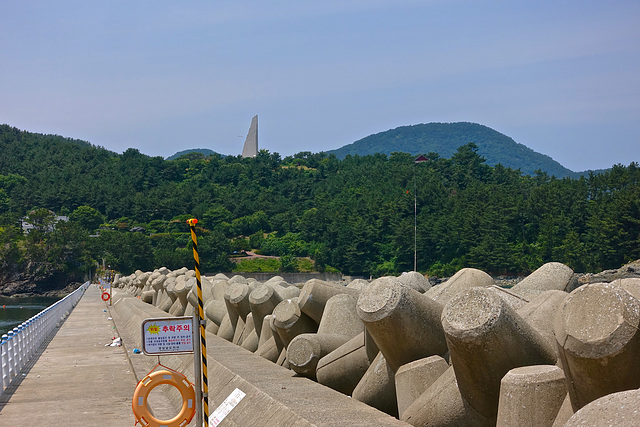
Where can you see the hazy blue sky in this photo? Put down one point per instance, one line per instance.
(562, 77)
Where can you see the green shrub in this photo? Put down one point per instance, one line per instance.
(257, 265)
(305, 265)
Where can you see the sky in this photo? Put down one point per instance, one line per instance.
(561, 77)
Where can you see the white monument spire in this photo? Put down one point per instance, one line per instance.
(251, 143)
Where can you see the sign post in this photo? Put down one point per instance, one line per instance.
(197, 373)
(201, 321)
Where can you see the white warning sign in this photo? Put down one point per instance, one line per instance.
(167, 335)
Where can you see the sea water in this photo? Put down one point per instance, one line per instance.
(14, 311)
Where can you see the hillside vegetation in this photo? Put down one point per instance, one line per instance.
(445, 138)
(193, 152)
(355, 214)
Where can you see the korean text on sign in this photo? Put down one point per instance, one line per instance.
(167, 335)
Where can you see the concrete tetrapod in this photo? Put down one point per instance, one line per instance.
(564, 413)
(464, 279)
(266, 331)
(629, 284)
(377, 387)
(514, 301)
(616, 409)
(415, 378)
(162, 293)
(170, 298)
(139, 287)
(370, 346)
(442, 405)
(262, 300)
(238, 279)
(147, 296)
(305, 350)
(290, 322)
(598, 341)
(550, 276)
(339, 324)
(540, 313)
(237, 300)
(415, 280)
(315, 294)
(220, 276)
(269, 350)
(232, 320)
(486, 339)
(157, 287)
(345, 366)
(249, 337)
(226, 330)
(274, 279)
(285, 290)
(267, 346)
(181, 290)
(404, 324)
(219, 289)
(214, 311)
(141, 282)
(531, 396)
(192, 297)
(358, 284)
(281, 360)
(239, 297)
(341, 317)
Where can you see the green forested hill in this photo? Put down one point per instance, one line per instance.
(204, 151)
(355, 214)
(445, 138)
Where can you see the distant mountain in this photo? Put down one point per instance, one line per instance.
(204, 151)
(445, 138)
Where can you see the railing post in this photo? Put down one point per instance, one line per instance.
(16, 351)
(10, 354)
(25, 341)
(18, 337)
(39, 329)
(28, 336)
(47, 320)
(32, 333)
(37, 321)
(4, 364)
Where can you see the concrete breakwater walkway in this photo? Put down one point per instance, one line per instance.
(75, 380)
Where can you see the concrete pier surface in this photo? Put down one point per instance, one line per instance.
(75, 380)
(78, 381)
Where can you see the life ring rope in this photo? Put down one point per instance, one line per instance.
(154, 379)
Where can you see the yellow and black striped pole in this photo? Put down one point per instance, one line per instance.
(200, 317)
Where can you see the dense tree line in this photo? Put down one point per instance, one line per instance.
(356, 215)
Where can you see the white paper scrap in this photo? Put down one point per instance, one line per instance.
(225, 407)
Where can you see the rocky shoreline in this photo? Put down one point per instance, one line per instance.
(16, 290)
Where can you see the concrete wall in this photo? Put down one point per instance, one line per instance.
(290, 277)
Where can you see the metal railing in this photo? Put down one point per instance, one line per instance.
(21, 343)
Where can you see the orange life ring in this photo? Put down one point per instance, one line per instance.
(105, 296)
(148, 383)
